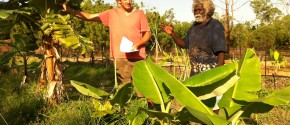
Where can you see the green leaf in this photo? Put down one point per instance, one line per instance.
(157, 114)
(133, 115)
(102, 110)
(139, 119)
(86, 44)
(211, 76)
(250, 77)
(207, 118)
(177, 89)
(44, 26)
(281, 97)
(57, 27)
(263, 105)
(69, 41)
(123, 94)
(276, 55)
(147, 85)
(5, 13)
(88, 90)
(4, 59)
(249, 82)
(215, 89)
(184, 116)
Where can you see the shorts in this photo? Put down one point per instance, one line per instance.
(124, 69)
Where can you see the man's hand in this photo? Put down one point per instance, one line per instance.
(135, 47)
(167, 29)
(64, 7)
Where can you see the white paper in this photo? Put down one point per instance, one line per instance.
(126, 45)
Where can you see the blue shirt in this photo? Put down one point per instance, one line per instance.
(204, 43)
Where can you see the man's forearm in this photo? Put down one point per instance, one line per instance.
(178, 40)
(220, 59)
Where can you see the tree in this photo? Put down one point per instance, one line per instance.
(265, 11)
(239, 36)
(21, 46)
(283, 30)
(262, 38)
(227, 26)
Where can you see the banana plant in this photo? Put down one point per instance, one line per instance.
(279, 60)
(57, 32)
(46, 16)
(122, 97)
(22, 47)
(237, 82)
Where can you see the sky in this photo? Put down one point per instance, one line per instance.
(183, 8)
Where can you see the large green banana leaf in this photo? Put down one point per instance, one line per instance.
(281, 97)
(249, 82)
(215, 89)
(249, 71)
(214, 75)
(58, 26)
(146, 84)
(180, 92)
(207, 118)
(89, 90)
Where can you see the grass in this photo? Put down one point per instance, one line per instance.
(17, 105)
(97, 75)
(22, 106)
(277, 116)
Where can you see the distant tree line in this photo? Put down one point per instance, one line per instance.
(273, 30)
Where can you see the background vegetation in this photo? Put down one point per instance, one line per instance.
(21, 105)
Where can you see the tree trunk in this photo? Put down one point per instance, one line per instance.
(265, 63)
(92, 57)
(227, 28)
(25, 77)
(51, 72)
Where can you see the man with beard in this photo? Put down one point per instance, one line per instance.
(126, 23)
(205, 39)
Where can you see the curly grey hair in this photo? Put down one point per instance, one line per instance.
(207, 4)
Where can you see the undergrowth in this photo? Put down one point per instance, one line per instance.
(20, 106)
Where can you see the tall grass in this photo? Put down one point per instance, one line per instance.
(72, 112)
(17, 106)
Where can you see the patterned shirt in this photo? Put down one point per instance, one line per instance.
(204, 43)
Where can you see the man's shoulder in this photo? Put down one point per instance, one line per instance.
(216, 24)
(215, 21)
(139, 11)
